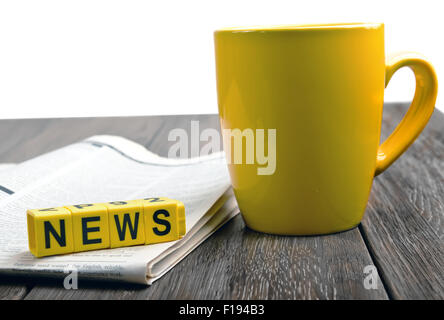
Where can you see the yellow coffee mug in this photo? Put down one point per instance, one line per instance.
(321, 87)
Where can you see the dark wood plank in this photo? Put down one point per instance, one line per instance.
(404, 222)
(237, 263)
(12, 288)
(28, 138)
(32, 137)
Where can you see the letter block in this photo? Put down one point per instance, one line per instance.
(126, 227)
(164, 219)
(90, 226)
(115, 224)
(50, 231)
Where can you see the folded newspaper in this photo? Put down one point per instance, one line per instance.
(103, 169)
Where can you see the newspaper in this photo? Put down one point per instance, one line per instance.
(102, 169)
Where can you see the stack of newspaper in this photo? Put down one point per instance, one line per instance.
(110, 168)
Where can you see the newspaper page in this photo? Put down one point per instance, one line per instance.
(102, 169)
(5, 166)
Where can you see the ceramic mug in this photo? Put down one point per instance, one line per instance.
(321, 87)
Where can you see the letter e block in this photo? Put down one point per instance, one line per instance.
(90, 226)
(50, 231)
(164, 219)
(126, 226)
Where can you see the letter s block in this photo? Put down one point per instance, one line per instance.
(164, 219)
(50, 231)
(126, 226)
(90, 226)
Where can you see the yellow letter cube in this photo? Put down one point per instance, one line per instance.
(90, 226)
(115, 224)
(164, 219)
(126, 226)
(50, 231)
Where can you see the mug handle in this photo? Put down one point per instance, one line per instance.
(419, 111)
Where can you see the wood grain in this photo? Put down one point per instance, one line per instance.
(404, 222)
(402, 228)
(238, 263)
(28, 138)
(12, 290)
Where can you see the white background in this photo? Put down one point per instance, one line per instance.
(103, 58)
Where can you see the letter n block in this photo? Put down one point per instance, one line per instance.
(50, 231)
(126, 226)
(90, 226)
(164, 219)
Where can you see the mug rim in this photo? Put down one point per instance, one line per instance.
(304, 27)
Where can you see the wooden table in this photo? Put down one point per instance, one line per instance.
(401, 235)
